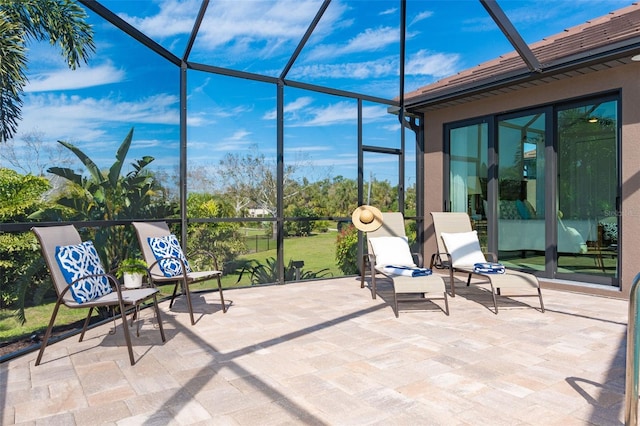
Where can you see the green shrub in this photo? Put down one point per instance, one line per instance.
(347, 250)
(301, 228)
(265, 273)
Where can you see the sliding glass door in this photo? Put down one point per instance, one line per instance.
(587, 190)
(521, 191)
(468, 166)
(541, 187)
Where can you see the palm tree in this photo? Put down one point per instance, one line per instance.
(61, 22)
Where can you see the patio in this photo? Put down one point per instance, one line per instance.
(324, 352)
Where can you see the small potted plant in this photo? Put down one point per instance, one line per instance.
(132, 270)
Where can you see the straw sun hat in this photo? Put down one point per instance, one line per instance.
(366, 218)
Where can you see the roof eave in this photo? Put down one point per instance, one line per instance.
(610, 52)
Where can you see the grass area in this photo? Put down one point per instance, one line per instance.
(37, 320)
(317, 252)
(257, 240)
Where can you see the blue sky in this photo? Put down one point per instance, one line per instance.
(354, 48)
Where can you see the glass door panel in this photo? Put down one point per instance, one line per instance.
(521, 189)
(587, 189)
(468, 175)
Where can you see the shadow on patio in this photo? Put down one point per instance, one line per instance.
(324, 352)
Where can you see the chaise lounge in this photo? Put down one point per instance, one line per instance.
(458, 249)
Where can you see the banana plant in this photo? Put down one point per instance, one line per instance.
(108, 195)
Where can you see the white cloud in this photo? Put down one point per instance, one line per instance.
(77, 118)
(392, 127)
(382, 67)
(436, 64)
(247, 27)
(421, 17)
(340, 112)
(291, 108)
(421, 63)
(175, 17)
(66, 79)
(232, 143)
(368, 41)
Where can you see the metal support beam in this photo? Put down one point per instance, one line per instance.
(183, 154)
(195, 29)
(280, 180)
(401, 159)
(305, 38)
(512, 34)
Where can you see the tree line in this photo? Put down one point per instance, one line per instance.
(111, 194)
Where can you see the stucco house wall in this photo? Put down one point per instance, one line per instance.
(625, 78)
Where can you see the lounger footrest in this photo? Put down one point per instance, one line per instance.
(513, 279)
(428, 284)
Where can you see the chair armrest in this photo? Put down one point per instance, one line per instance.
(491, 256)
(436, 260)
(113, 281)
(177, 277)
(207, 254)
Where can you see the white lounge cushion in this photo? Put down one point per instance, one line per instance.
(392, 251)
(464, 248)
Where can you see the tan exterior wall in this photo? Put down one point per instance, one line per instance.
(626, 78)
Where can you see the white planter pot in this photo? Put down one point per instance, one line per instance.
(132, 280)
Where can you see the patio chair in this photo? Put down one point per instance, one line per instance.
(81, 282)
(161, 250)
(458, 249)
(607, 242)
(389, 255)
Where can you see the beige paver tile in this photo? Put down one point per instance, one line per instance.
(102, 414)
(324, 352)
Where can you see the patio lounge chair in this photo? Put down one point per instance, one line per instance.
(167, 262)
(390, 256)
(81, 282)
(458, 249)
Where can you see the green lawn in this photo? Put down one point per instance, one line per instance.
(37, 319)
(317, 252)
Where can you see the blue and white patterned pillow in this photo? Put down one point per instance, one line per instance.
(77, 261)
(167, 251)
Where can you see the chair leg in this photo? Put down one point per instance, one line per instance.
(155, 305)
(495, 301)
(541, 302)
(224, 307)
(452, 283)
(188, 296)
(47, 334)
(125, 329)
(395, 303)
(446, 303)
(173, 296)
(135, 317)
(86, 324)
(373, 286)
(127, 338)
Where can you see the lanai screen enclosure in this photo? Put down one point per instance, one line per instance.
(272, 116)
